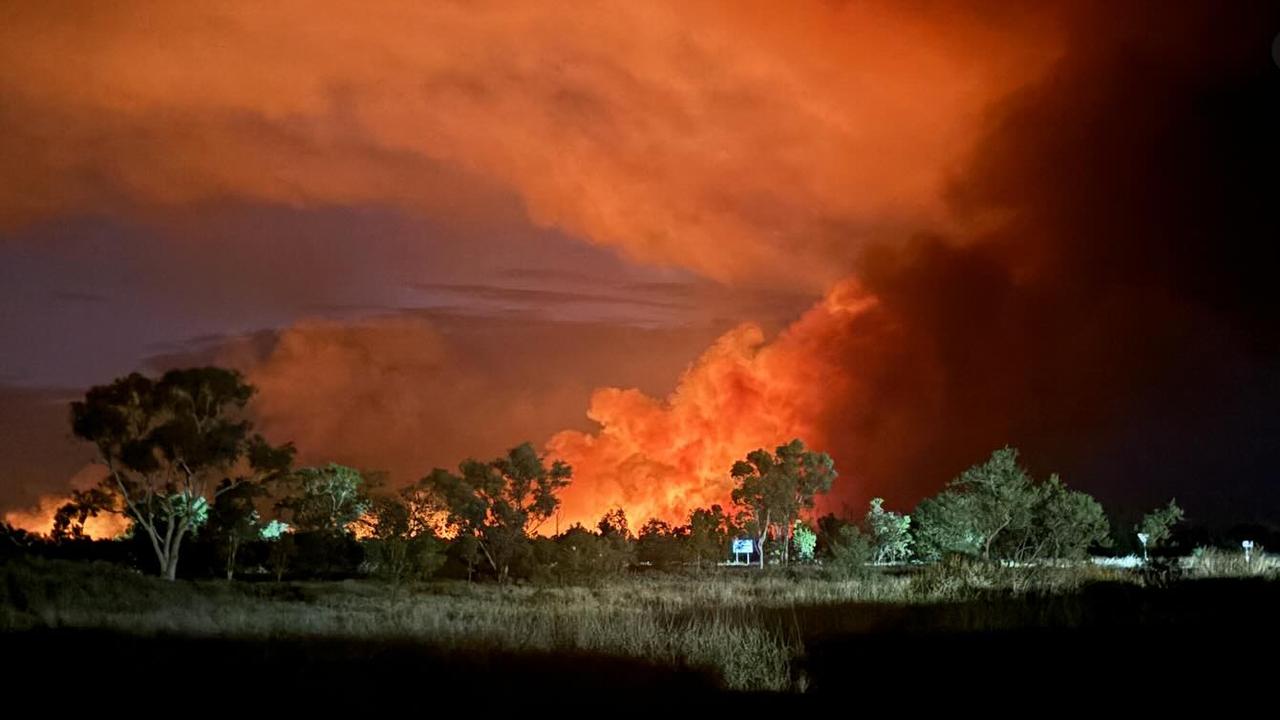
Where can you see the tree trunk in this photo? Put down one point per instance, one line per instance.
(786, 547)
(171, 569)
(163, 559)
(986, 552)
(760, 549)
(231, 559)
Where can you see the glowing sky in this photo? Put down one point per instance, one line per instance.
(910, 232)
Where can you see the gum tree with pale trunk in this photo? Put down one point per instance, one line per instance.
(171, 447)
(774, 488)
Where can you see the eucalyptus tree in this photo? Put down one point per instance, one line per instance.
(774, 488)
(171, 447)
(500, 503)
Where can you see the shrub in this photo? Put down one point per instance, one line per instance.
(849, 553)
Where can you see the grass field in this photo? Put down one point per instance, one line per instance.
(731, 629)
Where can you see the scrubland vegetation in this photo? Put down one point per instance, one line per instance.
(742, 628)
(234, 556)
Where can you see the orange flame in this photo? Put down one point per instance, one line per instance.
(39, 519)
(663, 458)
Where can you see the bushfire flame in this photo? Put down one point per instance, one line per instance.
(659, 458)
(39, 519)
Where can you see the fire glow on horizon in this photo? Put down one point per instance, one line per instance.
(998, 244)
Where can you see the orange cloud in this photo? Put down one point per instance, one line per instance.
(407, 393)
(789, 132)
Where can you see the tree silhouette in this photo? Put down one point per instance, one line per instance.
(166, 443)
(500, 502)
(773, 489)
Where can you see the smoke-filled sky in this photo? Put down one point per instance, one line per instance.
(651, 237)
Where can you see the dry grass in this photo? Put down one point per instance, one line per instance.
(613, 621)
(1217, 563)
(742, 625)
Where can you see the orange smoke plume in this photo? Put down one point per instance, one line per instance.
(663, 458)
(795, 131)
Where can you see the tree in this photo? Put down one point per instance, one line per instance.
(616, 546)
(710, 534)
(943, 527)
(978, 508)
(849, 550)
(1001, 497)
(166, 442)
(283, 550)
(997, 511)
(805, 540)
(1158, 524)
(69, 520)
(402, 542)
(578, 553)
(890, 533)
(324, 505)
(774, 488)
(326, 500)
(1067, 523)
(15, 541)
(234, 519)
(614, 523)
(660, 544)
(499, 503)
(466, 550)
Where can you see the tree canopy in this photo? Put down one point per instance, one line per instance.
(326, 499)
(1157, 525)
(773, 489)
(167, 444)
(997, 511)
(500, 502)
(890, 533)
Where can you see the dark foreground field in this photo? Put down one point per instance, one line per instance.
(745, 631)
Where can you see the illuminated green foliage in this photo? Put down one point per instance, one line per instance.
(805, 541)
(1158, 524)
(890, 533)
(326, 499)
(995, 510)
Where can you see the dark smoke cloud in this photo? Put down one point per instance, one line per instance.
(1104, 310)
(1113, 314)
(1095, 290)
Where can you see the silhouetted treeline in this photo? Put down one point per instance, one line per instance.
(204, 495)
